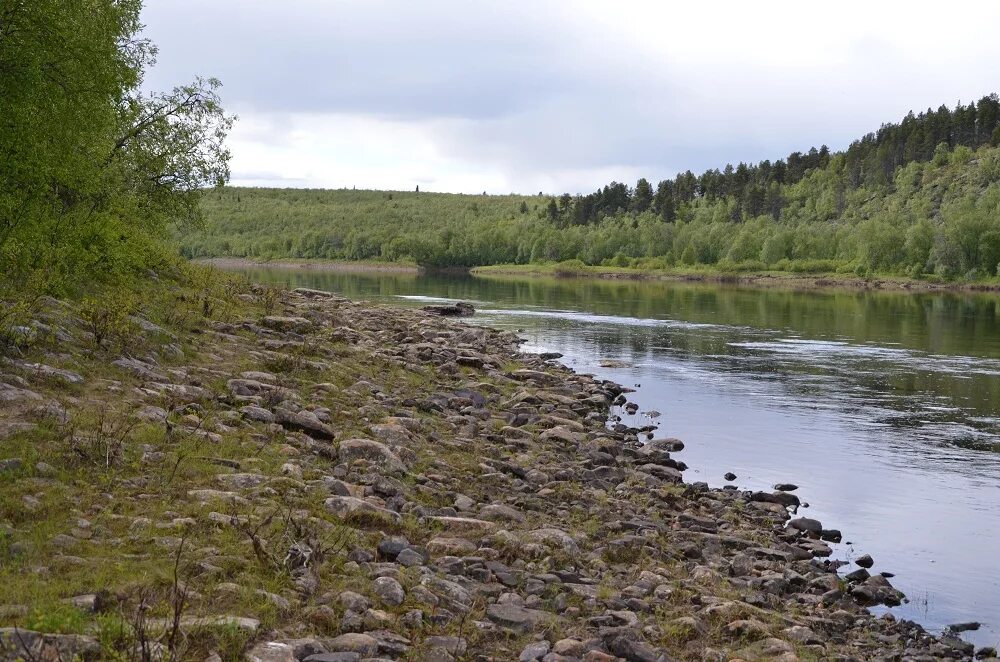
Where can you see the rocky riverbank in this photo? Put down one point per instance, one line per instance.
(281, 476)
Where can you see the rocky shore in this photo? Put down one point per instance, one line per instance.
(311, 478)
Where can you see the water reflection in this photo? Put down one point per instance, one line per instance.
(882, 406)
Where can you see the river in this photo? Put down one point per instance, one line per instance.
(884, 407)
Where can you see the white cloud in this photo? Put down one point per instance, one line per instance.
(560, 95)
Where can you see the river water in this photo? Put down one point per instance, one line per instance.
(883, 407)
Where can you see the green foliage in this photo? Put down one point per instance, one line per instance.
(109, 317)
(942, 220)
(57, 619)
(91, 169)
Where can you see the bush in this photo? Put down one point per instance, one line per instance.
(109, 317)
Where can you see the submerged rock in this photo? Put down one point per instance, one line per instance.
(460, 309)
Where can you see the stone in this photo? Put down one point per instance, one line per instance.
(343, 506)
(18, 644)
(563, 434)
(141, 369)
(518, 619)
(554, 538)
(452, 645)
(534, 651)
(389, 591)
(151, 413)
(371, 451)
(409, 558)
(463, 525)
(271, 651)
(499, 512)
(802, 635)
(49, 372)
(303, 421)
(257, 414)
(280, 323)
(340, 656)
(390, 547)
(10, 393)
(968, 626)
(458, 309)
(353, 601)
(442, 546)
(303, 648)
(748, 628)
(363, 644)
(730, 476)
(807, 525)
(629, 646)
(569, 647)
(865, 561)
(450, 591)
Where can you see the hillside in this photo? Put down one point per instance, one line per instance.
(940, 217)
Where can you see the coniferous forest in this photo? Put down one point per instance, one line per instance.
(920, 197)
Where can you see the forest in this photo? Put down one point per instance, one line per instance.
(918, 198)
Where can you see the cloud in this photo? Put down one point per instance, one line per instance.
(558, 95)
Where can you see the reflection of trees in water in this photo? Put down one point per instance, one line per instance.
(963, 324)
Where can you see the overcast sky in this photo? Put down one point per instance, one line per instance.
(512, 96)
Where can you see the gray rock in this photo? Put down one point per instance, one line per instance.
(535, 651)
(345, 505)
(630, 647)
(141, 369)
(499, 512)
(353, 601)
(303, 421)
(516, 618)
(16, 644)
(554, 538)
(409, 558)
(258, 414)
(47, 371)
(371, 451)
(271, 651)
(363, 644)
(280, 323)
(453, 645)
(806, 524)
(865, 561)
(389, 591)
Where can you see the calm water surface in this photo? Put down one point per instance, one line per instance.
(883, 407)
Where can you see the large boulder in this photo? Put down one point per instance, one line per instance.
(370, 451)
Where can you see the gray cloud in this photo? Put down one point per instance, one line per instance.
(559, 94)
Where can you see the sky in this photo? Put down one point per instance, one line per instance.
(559, 96)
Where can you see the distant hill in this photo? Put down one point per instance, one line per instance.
(916, 198)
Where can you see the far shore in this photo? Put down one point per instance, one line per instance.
(313, 265)
(784, 280)
(781, 280)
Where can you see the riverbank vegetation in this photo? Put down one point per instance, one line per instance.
(93, 169)
(920, 198)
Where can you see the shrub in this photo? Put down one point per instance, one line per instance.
(109, 317)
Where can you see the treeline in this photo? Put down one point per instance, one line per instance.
(940, 218)
(757, 189)
(92, 170)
